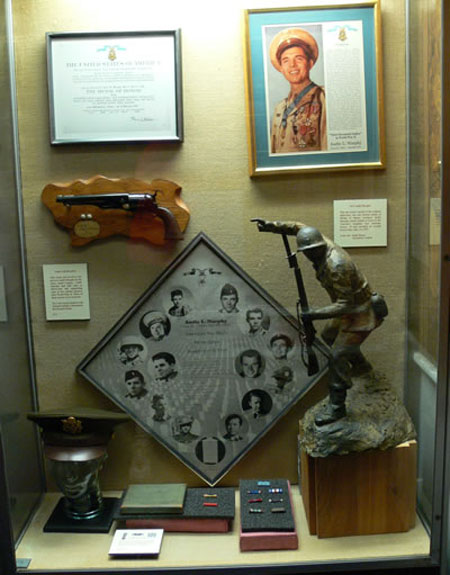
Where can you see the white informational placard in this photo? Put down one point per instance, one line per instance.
(66, 292)
(136, 542)
(360, 223)
(343, 46)
(3, 308)
(435, 221)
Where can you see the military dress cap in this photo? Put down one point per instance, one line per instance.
(185, 420)
(289, 38)
(283, 374)
(228, 289)
(130, 340)
(132, 373)
(152, 317)
(76, 434)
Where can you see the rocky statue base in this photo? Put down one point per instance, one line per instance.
(376, 419)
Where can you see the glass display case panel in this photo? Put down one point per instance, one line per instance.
(424, 235)
(211, 167)
(22, 457)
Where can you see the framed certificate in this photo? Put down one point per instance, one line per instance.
(314, 88)
(205, 361)
(114, 87)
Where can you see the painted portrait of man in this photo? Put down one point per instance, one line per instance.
(299, 121)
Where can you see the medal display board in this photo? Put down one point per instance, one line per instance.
(205, 510)
(266, 506)
(206, 361)
(267, 517)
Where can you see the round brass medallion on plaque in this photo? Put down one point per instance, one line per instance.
(86, 228)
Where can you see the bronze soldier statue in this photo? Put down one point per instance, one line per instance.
(354, 312)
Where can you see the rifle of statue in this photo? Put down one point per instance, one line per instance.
(309, 331)
(308, 334)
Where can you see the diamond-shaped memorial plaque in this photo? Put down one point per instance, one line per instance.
(206, 361)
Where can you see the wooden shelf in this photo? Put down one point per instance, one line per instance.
(84, 551)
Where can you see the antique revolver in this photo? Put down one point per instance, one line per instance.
(130, 202)
(102, 207)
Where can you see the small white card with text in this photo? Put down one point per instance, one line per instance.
(136, 542)
(3, 307)
(66, 292)
(435, 221)
(360, 223)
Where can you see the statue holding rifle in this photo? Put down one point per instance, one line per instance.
(354, 312)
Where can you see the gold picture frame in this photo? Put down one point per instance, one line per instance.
(314, 88)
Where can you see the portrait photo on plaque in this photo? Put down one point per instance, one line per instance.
(206, 361)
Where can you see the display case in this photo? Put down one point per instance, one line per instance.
(218, 182)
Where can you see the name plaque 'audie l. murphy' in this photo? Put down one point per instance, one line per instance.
(206, 361)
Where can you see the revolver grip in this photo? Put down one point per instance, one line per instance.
(171, 227)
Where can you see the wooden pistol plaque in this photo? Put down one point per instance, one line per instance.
(101, 207)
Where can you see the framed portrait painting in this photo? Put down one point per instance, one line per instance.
(314, 88)
(206, 361)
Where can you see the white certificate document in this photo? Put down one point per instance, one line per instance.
(112, 87)
(66, 292)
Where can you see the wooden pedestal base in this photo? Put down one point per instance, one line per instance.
(360, 493)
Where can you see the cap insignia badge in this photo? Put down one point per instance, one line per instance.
(72, 425)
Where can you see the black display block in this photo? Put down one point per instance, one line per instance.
(58, 522)
(266, 506)
(199, 503)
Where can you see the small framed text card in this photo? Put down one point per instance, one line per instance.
(114, 86)
(435, 221)
(66, 292)
(360, 223)
(3, 307)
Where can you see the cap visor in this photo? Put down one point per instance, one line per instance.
(63, 453)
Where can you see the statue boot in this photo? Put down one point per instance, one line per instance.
(335, 408)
